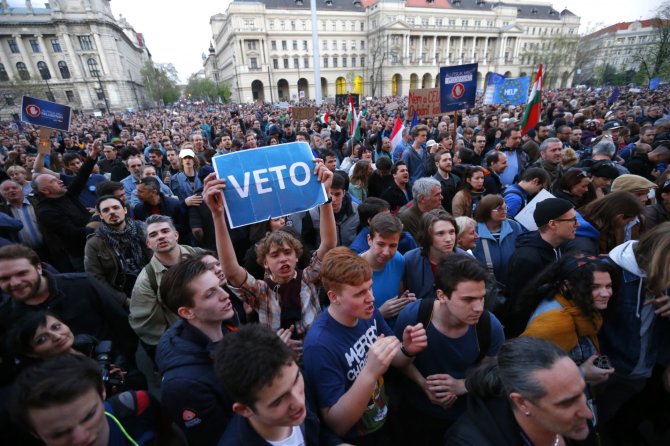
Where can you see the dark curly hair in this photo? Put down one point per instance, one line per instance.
(572, 277)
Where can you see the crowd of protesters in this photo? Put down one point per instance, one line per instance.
(132, 314)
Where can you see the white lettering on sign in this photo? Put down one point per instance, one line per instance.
(510, 91)
(259, 180)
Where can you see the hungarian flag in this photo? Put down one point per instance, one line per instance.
(324, 118)
(352, 119)
(532, 114)
(396, 134)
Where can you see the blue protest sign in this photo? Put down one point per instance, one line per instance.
(46, 114)
(268, 182)
(654, 82)
(491, 85)
(512, 91)
(458, 87)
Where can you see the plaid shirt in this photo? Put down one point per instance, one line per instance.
(263, 299)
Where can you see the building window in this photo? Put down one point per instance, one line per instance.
(304, 45)
(44, 70)
(424, 21)
(55, 45)
(292, 25)
(93, 67)
(13, 47)
(273, 44)
(253, 63)
(478, 23)
(248, 23)
(100, 93)
(275, 64)
(296, 63)
(353, 61)
(85, 43)
(489, 23)
(334, 44)
(304, 25)
(410, 20)
(438, 22)
(362, 44)
(4, 77)
(272, 24)
(363, 61)
(282, 24)
(51, 97)
(64, 70)
(9, 100)
(295, 45)
(344, 62)
(452, 22)
(362, 26)
(464, 22)
(305, 62)
(286, 63)
(34, 45)
(353, 44)
(69, 95)
(23, 71)
(251, 44)
(284, 45)
(325, 62)
(335, 62)
(344, 45)
(325, 45)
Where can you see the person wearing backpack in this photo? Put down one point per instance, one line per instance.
(517, 195)
(461, 334)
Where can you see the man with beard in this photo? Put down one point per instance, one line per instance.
(550, 158)
(78, 300)
(449, 182)
(115, 254)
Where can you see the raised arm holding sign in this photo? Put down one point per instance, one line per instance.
(278, 253)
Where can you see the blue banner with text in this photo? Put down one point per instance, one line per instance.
(458, 87)
(46, 114)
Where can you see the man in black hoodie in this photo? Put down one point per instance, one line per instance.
(556, 220)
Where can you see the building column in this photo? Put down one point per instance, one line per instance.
(474, 45)
(516, 48)
(26, 57)
(47, 58)
(460, 51)
(446, 52)
(76, 70)
(420, 49)
(106, 69)
(501, 52)
(406, 58)
(434, 49)
(486, 49)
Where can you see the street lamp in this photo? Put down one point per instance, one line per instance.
(95, 72)
(316, 57)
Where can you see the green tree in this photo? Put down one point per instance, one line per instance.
(224, 91)
(158, 83)
(560, 57)
(202, 89)
(654, 60)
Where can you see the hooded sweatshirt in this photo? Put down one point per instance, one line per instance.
(631, 334)
(531, 256)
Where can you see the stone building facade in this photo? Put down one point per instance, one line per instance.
(70, 51)
(263, 48)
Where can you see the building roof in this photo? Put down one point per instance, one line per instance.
(621, 26)
(524, 11)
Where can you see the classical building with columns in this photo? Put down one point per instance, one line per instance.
(263, 48)
(70, 51)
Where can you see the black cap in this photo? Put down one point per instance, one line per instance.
(550, 209)
(604, 169)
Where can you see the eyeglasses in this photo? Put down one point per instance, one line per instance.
(500, 209)
(573, 220)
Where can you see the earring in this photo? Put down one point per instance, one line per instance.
(527, 414)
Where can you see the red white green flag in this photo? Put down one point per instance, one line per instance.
(533, 109)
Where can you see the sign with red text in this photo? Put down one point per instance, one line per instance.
(425, 101)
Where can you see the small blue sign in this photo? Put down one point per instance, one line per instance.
(493, 82)
(512, 91)
(268, 182)
(458, 87)
(46, 114)
(654, 82)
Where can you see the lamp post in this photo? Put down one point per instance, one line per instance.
(96, 73)
(316, 57)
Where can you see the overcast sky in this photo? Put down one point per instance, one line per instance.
(179, 32)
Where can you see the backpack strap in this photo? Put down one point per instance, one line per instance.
(483, 333)
(151, 275)
(425, 311)
(487, 255)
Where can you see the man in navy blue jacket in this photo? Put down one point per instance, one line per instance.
(258, 371)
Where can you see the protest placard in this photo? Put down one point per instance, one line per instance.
(268, 182)
(425, 101)
(525, 215)
(300, 113)
(45, 113)
(458, 87)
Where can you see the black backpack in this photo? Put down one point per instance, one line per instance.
(482, 329)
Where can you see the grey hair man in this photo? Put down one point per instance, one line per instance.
(427, 193)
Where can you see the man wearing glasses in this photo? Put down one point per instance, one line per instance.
(556, 221)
